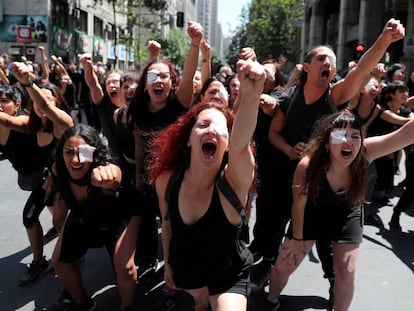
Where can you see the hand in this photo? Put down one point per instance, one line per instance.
(268, 104)
(205, 49)
(251, 75)
(195, 32)
(378, 71)
(154, 49)
(297, 151)
(106, 176)
(393, 30)
(297, 251)
(21, 72)
(247, 53)
(168, 277)
(85, 59)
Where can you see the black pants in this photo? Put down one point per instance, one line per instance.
(407, 198)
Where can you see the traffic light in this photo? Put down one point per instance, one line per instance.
(180, 19)
(360, 48)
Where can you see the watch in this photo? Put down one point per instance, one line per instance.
(29, 83)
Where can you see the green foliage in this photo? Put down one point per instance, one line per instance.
(175, 48)
(272, 28)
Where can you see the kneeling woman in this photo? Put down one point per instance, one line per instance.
(88, 183)
(200, 224)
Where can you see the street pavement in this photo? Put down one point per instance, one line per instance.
(384, 279)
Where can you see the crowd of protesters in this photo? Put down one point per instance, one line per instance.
(116, 156)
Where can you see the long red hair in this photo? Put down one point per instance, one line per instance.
(169, 150)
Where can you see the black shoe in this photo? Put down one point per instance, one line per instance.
(64, 302)
(260, 274)
(274, 305)
(34, 271)
(382, 201)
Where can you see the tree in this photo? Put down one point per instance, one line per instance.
(274, 27)
(175, 48)
(271, 27)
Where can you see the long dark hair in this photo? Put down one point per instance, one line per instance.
(320, 160)
(101, 155)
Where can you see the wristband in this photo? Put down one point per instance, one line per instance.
(296, 239)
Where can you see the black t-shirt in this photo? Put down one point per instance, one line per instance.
(106, 114)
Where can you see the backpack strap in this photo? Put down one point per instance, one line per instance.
(223, 185)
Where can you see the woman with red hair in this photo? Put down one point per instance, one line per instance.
(196, 162)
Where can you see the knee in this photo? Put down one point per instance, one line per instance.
(345, 273)
(125, 269)
(28, 221)
(201, 303)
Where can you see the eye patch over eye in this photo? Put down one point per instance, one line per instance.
(85, 153)
(338, 137)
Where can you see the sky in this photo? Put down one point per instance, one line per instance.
(228, 14)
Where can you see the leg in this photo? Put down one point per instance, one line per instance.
(228, 301)
(124, 263)
(345, 256)
(70, 276)
(284, 267)
(201, 298)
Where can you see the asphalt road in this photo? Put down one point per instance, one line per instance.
(384, 280)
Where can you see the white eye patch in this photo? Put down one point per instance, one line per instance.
(338, 137)
(85, 153)
(133, 87)
(370, 86)
(398, 72)
(220, 128)
(152, 76)
(223, 93)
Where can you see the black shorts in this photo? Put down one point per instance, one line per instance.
(78, 237)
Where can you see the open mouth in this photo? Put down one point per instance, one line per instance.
(113, 94)
(158, 90)
(209, 149)
(346, 153)
(325, 74)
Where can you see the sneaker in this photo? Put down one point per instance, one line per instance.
(260, 274)
(34, 271)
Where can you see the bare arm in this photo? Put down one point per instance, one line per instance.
(378, 146)
(206, 61)
(161, 186)
(348, 87)
(91, 79)
(107, 177)
(185, 90)
(17, 123)
(240, 169)
(43, 63)
(61, 120)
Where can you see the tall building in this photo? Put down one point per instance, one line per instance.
(207, 16)
(349, 25)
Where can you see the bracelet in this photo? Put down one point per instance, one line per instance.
(296, 239)
(196, 46)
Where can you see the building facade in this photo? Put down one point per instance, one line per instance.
(343, 24)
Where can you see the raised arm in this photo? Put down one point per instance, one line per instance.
(61, 120)
(378, 146)
(17, 123)
(44, 64)
(185, 89)
(240, 169)
(348, 87)
(154, 49)
(205, 61)
(91, 79)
